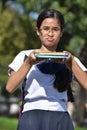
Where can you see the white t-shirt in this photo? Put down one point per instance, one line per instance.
(40, 93)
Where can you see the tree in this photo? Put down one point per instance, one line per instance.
(16, 33)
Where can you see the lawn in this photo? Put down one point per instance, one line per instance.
(8, 123)
(11, 124)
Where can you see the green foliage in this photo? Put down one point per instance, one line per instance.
(76, 43)
(16, 33)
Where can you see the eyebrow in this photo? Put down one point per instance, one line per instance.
(52, 26)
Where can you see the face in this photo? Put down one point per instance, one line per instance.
(49, 33)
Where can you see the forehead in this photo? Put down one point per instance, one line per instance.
(50, 22)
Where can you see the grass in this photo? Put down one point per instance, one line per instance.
(11, 124)
(78, 128)
(8, 123)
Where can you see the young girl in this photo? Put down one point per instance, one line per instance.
(47, 81)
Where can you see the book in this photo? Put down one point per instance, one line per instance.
(60, 55)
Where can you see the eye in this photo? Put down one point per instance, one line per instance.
(46, 28)
(56, 29)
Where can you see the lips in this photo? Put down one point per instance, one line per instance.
(50, 39)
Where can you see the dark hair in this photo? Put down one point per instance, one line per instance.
(63, 82)
(50, 14)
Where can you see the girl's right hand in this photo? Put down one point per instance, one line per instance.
(32, 59)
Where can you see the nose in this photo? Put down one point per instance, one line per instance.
(50, 32)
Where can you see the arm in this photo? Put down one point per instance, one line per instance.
(15, 78)
(80, 75)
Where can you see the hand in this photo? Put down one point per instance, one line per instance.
(68, 61)
(32, 59)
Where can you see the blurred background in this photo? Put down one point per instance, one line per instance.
(17, 33)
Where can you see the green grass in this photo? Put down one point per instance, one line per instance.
(11, 124)
(78, 128)
(8, 123)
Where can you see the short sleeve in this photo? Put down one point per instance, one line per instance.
(80, 64)
(16, 63)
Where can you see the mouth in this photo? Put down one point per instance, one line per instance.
(50, 39)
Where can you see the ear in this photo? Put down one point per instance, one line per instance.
(37, 31)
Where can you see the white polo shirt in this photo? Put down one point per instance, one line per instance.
(40, 93)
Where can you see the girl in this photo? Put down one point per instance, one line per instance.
(47, 81)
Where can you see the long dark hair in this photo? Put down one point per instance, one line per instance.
(52, 13)
(62, 82)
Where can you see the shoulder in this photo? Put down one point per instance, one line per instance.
(80, 64)
(19, 59)
(20, 56)
(26, 52)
